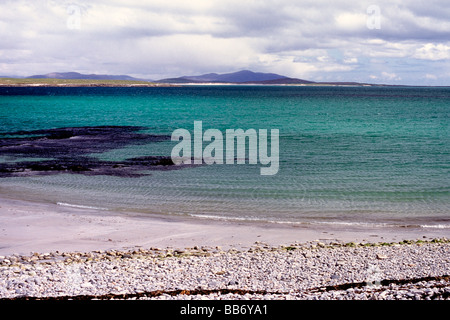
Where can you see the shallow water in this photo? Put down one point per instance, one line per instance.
(362, 155)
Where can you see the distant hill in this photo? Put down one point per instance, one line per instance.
(239, 77)
(282, 81)
(244, 76)
(250, 77)
(76, 75)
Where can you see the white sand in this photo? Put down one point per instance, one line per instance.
(27, 227)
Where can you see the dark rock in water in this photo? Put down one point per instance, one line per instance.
(150, 161)
(69, 151)
(73, 141)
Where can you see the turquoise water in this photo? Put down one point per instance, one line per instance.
(348, 155)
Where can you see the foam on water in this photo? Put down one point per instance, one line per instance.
(63, 204)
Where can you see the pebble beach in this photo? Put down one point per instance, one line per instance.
(51, 252)
(313, 270)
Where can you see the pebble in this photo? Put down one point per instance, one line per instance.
(298, 271)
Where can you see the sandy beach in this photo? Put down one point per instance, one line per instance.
(50, 251)
(28, 227)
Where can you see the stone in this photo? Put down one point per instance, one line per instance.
(86, 285)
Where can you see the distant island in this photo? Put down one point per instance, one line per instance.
(244, 77)
(79, 76)
(14, 82)
(240, 77)
(74, 79)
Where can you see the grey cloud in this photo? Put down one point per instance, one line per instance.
(164, 38)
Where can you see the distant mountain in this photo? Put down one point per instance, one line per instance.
(247, 76)
(240, 77)
(76, 75)
(250, 77)
(244, 76)
(282, 81)
(206, 77)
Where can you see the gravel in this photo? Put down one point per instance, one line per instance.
(410, 270)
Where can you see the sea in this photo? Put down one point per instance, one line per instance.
(369, 156)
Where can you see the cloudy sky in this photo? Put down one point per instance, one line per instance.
(395, 42)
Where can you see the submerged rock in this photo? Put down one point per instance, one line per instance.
(69, 150)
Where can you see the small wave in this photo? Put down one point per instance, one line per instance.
(436, 226)
(335, 223)
(223, 218)
(79, 206)
(361, 224)
(213, 217)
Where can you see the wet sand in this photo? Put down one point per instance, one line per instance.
(27, 227)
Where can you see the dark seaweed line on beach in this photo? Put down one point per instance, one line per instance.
(383, 283)
(157, 293)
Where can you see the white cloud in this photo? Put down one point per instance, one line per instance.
(351, 60)
(323, 58)
(390, 76)
(351, 21)
(431, 51)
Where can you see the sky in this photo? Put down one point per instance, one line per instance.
(391, 42)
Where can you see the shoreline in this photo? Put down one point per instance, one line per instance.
(28, 227)
(88, 85)
(55, 82)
